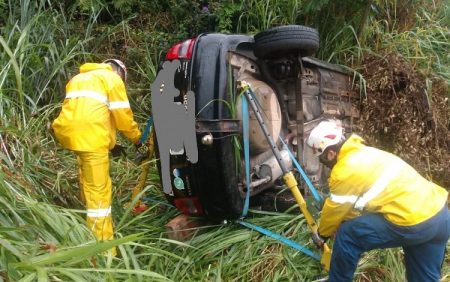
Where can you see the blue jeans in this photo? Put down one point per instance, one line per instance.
(424, 245)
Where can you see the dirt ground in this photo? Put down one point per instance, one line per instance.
(399, 116)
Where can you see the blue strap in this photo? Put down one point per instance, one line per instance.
(281, 238)
(245, 130)
(313, 190)
(146, 131)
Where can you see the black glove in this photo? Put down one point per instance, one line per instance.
(141, 152)
(318, 240)
(118, 150)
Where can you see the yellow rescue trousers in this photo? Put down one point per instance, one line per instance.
(96, 193)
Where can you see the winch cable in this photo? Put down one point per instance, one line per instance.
(282, 239)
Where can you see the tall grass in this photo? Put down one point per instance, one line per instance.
(257, 15)
(43, 235)
(421, 36)
(41, 241)
(36, 51)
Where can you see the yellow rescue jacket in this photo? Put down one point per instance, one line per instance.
(366, 179)
(96, 104)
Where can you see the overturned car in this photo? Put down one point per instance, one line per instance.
(198, 115)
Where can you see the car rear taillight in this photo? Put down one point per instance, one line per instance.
(182, 50)
(190, 206)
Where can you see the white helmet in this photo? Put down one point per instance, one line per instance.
(325, 134)
(120, 65)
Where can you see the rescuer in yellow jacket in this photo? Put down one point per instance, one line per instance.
(95, 106)
(377, 201)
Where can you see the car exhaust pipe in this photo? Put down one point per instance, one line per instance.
(271, 168)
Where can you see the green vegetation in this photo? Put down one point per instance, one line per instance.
(42, 232)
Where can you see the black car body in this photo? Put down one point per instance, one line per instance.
(295, 92)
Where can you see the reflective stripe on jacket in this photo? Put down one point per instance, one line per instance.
(371, 180)
(96, 104)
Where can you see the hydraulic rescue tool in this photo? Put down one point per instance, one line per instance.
(288, 177)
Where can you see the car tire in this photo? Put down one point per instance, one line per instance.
(298, 39)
